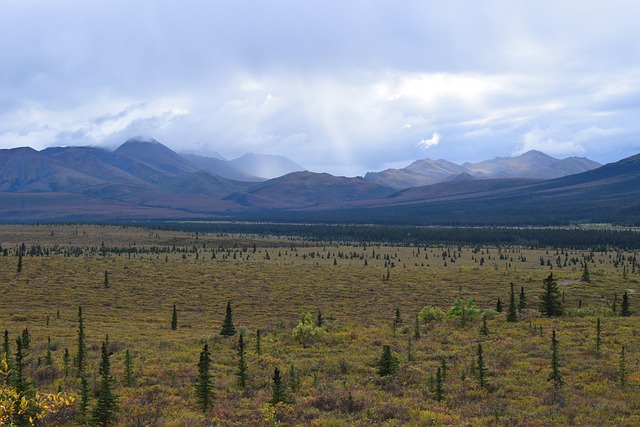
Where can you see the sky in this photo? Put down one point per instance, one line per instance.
(343, 87)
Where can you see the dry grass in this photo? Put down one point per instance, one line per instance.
(271, 287)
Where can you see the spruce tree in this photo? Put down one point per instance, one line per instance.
(26, 340)
(242, 364)
(278, 392)
(522, 301)
(598, 330)
(388, 363)
(499, 305)
(585, 274)
(128, 368)
(19, 260)
(105, 283)
(484, 330)
(398, 318)
(48, 358)
(81, 355)
(174, 319)
(204, 386)
(228, 329)
(512, 314)
(106, 401)
(624, 307)
(416, 328)
(622, 369)
(83, 406)
(20, 383)
(319, 319)
(294, 379)
(481, 367)
(66, 358)
(555, 375)
(439, 385)
(258, 343)
(550, 305)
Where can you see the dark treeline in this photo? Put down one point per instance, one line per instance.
(599, 239)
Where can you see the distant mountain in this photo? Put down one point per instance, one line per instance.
(308, 189)
(153, 153)
(532, 164)
(266, 166)
(420, 172)
(144, 179)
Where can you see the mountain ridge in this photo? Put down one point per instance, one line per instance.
(145, 179)
(532, 164)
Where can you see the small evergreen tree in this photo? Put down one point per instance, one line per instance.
(242, 364)
(258, 344)
(512, 314)
(83, 406)
(128, 368)
(439, 385)
(555, 375)
(26, 340)
(319, 319)
(19, 260)
(622, 369)
(66, 359)
(388, 363)
(204, 386)
(48, 358)
(585, 274)
(416, 328)
(228, 329)
(278, 392)
(19, 381)
(598, 330)
(484, 330)
(294, 379)
(106, 401)
(624, 307)
(481, 368)
(174, 319)
(499, 305)
(81, 355)
(105, 283)
(522, 300)
(398, 318)
(550, 305)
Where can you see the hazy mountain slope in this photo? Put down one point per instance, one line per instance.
(27, 170)
(220, 167)
(266, 166)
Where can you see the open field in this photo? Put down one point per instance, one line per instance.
(270, 282)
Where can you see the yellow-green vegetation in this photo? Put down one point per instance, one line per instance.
(329, 372)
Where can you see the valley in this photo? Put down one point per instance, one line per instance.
(369, 295)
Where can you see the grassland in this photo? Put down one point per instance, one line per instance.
(272, 281)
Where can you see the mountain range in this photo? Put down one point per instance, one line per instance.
(145, 180)
(532, 164)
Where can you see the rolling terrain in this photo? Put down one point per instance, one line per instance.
(144, 179)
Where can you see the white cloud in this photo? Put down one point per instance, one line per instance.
(545, 141)
(430, 142)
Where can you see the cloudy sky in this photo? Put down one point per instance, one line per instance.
(338, 86)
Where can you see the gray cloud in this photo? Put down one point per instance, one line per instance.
(341, 86)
